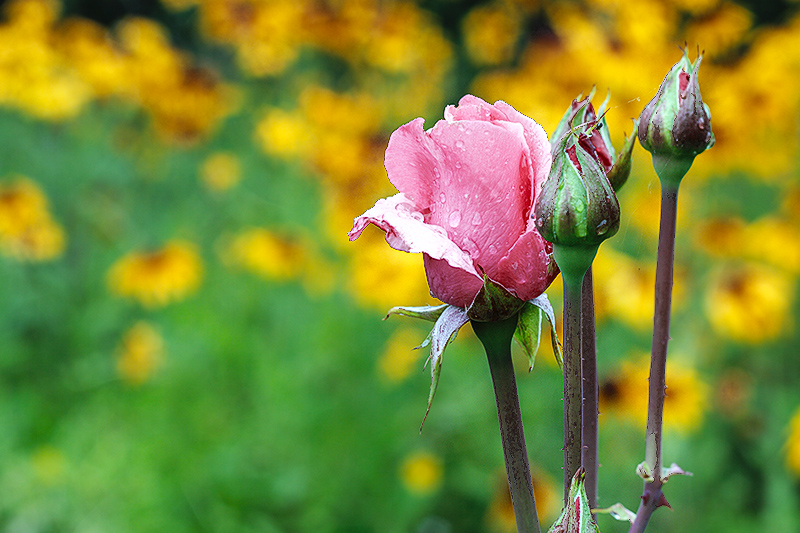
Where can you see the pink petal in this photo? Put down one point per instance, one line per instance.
(451, 285)
(483, 197)
(536, 139)
(524, 271)
(406, 231)
(411, 159)
(473, 108)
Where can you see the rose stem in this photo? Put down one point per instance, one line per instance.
(652, 497)
(573, 261)
(589, 433)
(572, 380)
(496, 338)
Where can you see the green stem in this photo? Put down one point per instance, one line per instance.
(496, 338)
(590, 390)
(573, 261)
(653, 497)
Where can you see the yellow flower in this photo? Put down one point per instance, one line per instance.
(27, 232)
(140, 354)
(221, 171)
(267, 254)
(749, 302)
(421, 473)
(626, 393)
(401, 356)
(793, 445)
(721, 29)
(381, 277)
(284, 134)
(491, 33)
(774, 241)
(158, 277)
(49, 465)
(721, 237)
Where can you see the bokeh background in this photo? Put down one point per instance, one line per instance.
(188, 341)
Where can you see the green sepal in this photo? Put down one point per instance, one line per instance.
(576, 517)
(618, 512)
(425, 312)
(445, 329)
(493, 303)
(529, 328)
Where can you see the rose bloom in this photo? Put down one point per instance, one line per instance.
(467, 188)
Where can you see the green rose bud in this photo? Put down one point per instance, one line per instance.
(577, 206)
(676, 124)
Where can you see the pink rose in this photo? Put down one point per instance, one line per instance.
(467, 188)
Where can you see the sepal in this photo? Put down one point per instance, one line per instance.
(576, 517)
(425, 312)
(444, 331)
(529, 328)
(493, 303)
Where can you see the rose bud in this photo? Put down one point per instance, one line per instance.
(467, 188)
(676, 125)
(582, 117)
(577, 206)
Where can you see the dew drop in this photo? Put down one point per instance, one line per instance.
(602, 227)
(492, 249)
(460, 144)
(436, 172)
(476, 219)
(442, 198)
(454, 219)
(579, 207)
(514, 265)
(471, 248)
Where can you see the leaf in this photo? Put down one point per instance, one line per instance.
(493, 303)
(576, 517)
(425, 312)
(618, 512)
(529, 331)
(444, 330)
(673, 470)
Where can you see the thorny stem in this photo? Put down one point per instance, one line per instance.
(589, 434)
(572, 380)
(496, 338)
(652, 498)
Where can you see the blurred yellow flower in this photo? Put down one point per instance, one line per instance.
(221, 171)
(721, 29)
(267, 254)
(749, 302)
(400, 355)
(491, 33)
(721, 237)
(158, 277)
(284, 134)
(500, 517)
(626, 394)
(421, 473)
(49, 465)
(793, 445)
(381, 278)
(27, 231)
(140, 354)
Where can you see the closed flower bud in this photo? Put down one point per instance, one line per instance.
(577, 206)
(677, 123)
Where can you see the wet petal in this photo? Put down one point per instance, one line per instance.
(411, 160)
(521, 271)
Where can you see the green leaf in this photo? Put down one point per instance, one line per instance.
(425, 312)
(543, 303)
(493, 303)
(576, 517)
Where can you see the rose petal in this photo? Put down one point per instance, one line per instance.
(481, 199)
(406, 231)
(473, 108)
(521, 271)
(451, 285)
(536, 139)
(411, 158)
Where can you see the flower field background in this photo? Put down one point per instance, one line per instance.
(188, 342)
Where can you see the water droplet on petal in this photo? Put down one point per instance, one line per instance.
(460, 144)
(469, 246)
(476, 219)
(442, 198)
(454, 219)
(492, 249)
